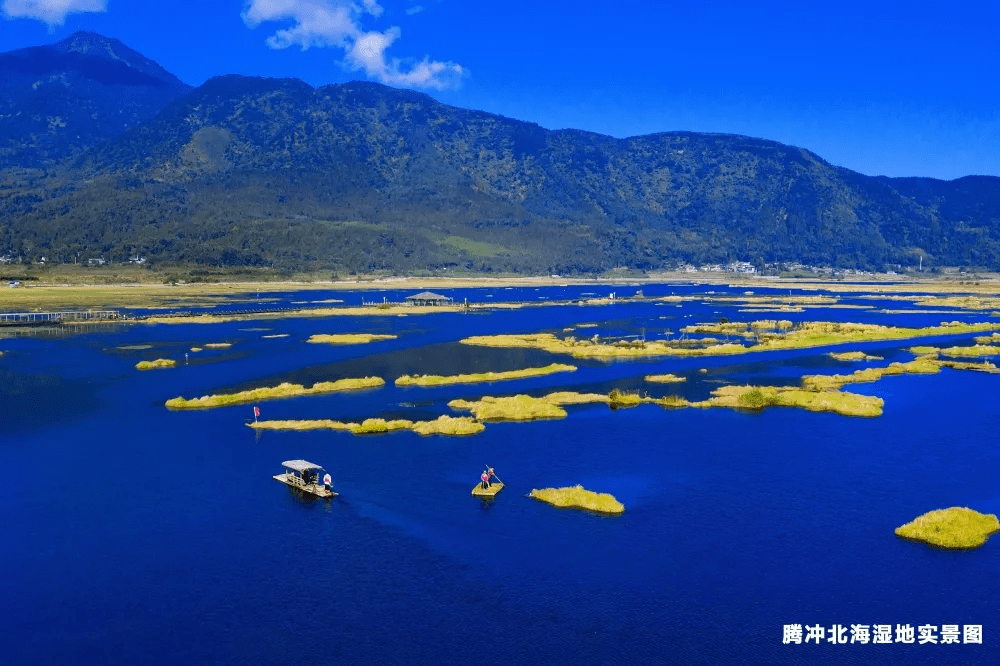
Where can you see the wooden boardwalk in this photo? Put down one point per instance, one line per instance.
(56, 318)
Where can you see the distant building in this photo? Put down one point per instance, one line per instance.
(427, 298)
(95, 262)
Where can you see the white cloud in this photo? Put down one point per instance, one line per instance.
(415, 9)
(53, 12)
(337, 23)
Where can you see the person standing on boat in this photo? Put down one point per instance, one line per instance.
(485, 476)
(327, 482)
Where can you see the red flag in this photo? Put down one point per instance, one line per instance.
(256, 411)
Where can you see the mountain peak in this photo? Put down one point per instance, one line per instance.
(94, 45)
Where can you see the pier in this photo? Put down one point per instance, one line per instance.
(57, 318)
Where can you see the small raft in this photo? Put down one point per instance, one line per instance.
(494, 488)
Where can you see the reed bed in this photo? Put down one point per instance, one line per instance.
(156, 365)
(475, 378)
(348, 338)
(578, 497)
(957, 528)
(218, 345)
(284, 390)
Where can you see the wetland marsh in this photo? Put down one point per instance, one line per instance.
(745, 463)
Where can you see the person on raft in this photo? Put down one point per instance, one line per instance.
(486, 476)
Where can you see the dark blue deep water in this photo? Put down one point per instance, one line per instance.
(135, 535)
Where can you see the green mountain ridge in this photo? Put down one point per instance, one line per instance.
(245, 171)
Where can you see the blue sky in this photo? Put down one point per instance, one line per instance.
(884, 88)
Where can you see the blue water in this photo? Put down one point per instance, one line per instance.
(135, 535)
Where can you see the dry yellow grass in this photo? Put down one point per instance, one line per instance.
(154, 365)
(348, 338)
(443, 380)
(953, 528)
(284, 390)
(218, 345)
(197, 349)
(578, 497)
(664, 379)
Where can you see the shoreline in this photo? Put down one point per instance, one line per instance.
(153, 295)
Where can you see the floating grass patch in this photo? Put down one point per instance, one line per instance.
(135, 347)
(954, 528)
(924, 365)
(987, 339)
(664, 379)
(805, 335)
(619, 399)
(449, 425)
(439, 380)
(853, 356)
(196, 349)
(672, 402)
(284, 390)
(276, 335)
(578, 497)
(760, 397)
(444, 425)
(525, 407)
(511, 408)
(970, 352)
(155, 365)
(218, 345)
(348, 338)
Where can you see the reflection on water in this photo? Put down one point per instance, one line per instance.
(29, 401)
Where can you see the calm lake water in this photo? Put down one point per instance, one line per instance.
(136, 535)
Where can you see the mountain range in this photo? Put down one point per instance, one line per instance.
(103, 153)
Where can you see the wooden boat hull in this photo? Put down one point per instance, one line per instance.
(494, 488)
(313, 489)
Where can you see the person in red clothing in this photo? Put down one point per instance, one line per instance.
(485, 476)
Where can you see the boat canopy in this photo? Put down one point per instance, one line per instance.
(300, 465)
